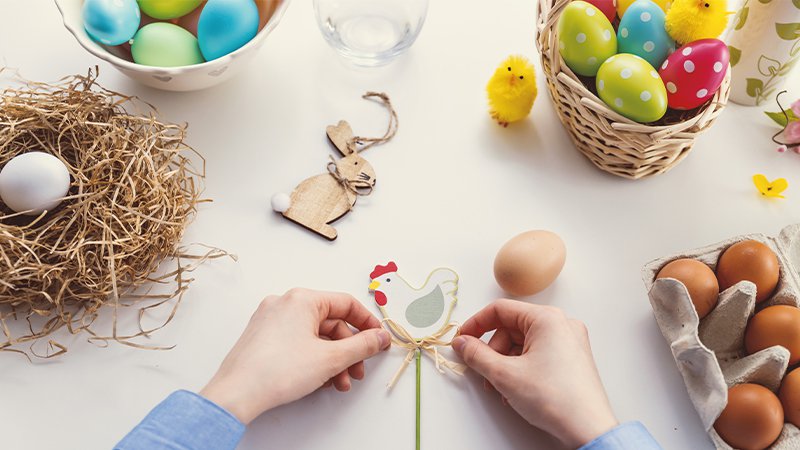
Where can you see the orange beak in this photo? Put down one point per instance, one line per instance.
(512, 80)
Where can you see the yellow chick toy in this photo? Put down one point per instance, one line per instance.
(690, 20)
(512, 90)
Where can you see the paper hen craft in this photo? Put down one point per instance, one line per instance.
(422, 311)
(419, 318)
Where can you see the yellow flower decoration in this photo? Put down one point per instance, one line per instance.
(772, 189)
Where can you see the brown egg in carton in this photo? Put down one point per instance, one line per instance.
(710, 353)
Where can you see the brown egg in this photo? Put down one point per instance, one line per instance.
(529, 262)
(699, 280)
(776, 325)
(790, 397)
(751, 261)
(752, 419)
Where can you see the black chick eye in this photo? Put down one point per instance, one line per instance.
(707, 5)
(356, 163)
(388, 280)
(521, 77)
(509, 68)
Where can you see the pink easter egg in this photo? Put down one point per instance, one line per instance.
(694, 73)
(607, 7)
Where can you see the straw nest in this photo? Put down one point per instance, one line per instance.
(613, 143)
(133, 192)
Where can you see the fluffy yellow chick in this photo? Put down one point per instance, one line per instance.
(690, 20)
(512, 90)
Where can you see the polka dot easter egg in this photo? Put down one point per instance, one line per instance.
(607, 7)
(694, 73)
(585, 38)
(642, 33)
(623, 5)
(631, 86)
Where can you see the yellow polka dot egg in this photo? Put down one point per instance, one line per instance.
(585, 38)
(631, 86)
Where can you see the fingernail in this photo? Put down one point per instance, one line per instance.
(458, 343)
(386, 340)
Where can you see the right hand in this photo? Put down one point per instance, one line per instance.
(541, 363)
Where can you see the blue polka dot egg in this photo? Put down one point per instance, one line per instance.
(642, 33)
(585, 38)
(631, 86)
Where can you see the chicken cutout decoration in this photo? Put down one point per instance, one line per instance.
(419, 319)
(421, 311)
(322, 199)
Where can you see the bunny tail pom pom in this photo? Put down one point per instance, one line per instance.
(281, 202)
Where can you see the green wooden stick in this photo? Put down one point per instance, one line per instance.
(419, 373)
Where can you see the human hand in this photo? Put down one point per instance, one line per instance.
(293, 345)
(541, 363)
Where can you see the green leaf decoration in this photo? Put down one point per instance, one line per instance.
(795, 50)
(754, 87)
(780, 118)
(741, 18)
(768, 66)
(788, 66)
(764, 2)
(796, 3)
(736, 54)
(788, 31)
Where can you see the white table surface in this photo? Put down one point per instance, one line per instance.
(453, 186)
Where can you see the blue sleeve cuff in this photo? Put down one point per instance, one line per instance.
(628, 436)
(185, 421)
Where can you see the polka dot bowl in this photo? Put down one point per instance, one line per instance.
(182, 78)
(612, 142)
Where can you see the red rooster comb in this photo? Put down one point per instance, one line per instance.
(381, 270)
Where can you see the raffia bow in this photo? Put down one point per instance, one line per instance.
(357, 187)
(429, 346)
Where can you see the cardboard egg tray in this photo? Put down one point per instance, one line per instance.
(710, 353)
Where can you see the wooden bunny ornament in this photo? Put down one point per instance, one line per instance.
(322, 199)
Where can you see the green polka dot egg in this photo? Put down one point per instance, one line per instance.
(631, 86)
(585, 38)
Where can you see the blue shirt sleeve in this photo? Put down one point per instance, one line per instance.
(185, 421)
(628, 436)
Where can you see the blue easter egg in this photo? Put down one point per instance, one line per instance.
(642, 33)
(111, 22)
(226, 25)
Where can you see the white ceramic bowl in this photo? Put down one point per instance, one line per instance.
(182, 78)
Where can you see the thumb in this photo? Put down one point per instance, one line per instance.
(360, 346)
(477, 355)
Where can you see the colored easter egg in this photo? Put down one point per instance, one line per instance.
(225, 26)
(585, 38)
(695, 72)
(168, 9)
(623, 5)
(163, 44)
(110, 22)
(631, 86)
(607, 7)
(642, 33)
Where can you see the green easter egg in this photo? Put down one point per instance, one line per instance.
(168, 9)
(585, 38)
(631, 86)
(163, 44)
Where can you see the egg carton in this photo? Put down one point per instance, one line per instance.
(710, 353)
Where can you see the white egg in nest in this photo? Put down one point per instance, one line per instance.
(33, 182)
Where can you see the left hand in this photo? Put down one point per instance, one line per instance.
(293, 345)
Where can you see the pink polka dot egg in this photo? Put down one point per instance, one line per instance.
(694, 73)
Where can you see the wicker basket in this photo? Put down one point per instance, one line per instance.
(612, 142)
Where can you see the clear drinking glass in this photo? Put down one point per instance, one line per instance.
(370, 32)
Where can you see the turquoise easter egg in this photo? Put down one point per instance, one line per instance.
(111, 22)
(226, 25)
(163, 44)
(585, 38)
(631, 86)
(168, 9)
(642, 33)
